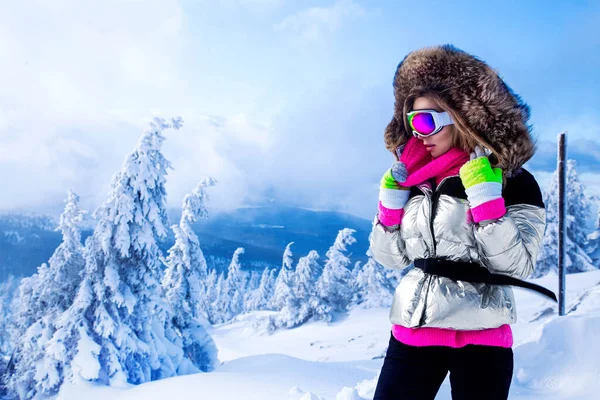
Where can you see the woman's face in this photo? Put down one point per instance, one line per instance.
(440, 142)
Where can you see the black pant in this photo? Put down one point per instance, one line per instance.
(416, 373)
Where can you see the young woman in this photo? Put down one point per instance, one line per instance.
(459, 206)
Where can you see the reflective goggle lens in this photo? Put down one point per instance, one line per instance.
(423, 123)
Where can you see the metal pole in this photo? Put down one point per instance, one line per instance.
(562, 231)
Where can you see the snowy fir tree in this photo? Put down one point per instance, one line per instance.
(118, 329)
(577, 214)
(259, 298)
(184, 284)
(219, 299)
(8, 290)
(373, 288)
(593, 248)
(231, 300)
(210, 295)
(334, 286)
(271, 287)
(252, 285)
(356, 270)
(252, 281)
(284, 281)
(42, 298)
(307, 274)
(303, 305)
(187, 272)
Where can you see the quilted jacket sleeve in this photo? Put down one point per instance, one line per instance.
(387, 246)
(510, 244)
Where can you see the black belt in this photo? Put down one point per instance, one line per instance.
(475, 273)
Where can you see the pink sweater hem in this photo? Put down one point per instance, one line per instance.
(499, 337)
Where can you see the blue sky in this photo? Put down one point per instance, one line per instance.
(283, 101)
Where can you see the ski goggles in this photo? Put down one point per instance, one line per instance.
(426, 123)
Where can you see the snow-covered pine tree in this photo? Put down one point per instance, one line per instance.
(593, 248)
(303, 304)
(42, 298)
(263, 299)
(259, 298)
(334, 286)
(356, 270)
(252, 281)
(8, 290)
(577, 215)
(217, 304)
(251, 288)
(118, 329)
(209, 295)
(186, 261)
(373, 288)
(270, 292)
(233, 290)
(307, 274)
(284, 281)
(184, 284)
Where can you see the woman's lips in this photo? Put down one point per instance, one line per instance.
(429, 146)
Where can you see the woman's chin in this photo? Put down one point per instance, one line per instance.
(435, 153)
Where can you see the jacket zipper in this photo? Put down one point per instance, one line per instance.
(434, 197)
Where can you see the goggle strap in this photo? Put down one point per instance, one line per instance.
(443, 119)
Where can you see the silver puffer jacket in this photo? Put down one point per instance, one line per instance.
(437, 224)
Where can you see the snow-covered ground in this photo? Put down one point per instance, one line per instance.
(555, 357)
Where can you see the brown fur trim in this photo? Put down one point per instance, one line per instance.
(488, 106)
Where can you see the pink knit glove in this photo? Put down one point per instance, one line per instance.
(414, 155)
(392, 194)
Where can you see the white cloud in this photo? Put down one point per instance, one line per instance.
(581, 122)
(83, 80)
(260, 3)
(250, 4)
(228, 149)
(80, 55)
(77, 80)
(313, 23)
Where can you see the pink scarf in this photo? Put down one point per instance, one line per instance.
(422, 167)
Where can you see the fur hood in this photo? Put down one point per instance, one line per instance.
(474, 90)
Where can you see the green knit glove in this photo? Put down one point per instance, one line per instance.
(478, 171)
(483, 185)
